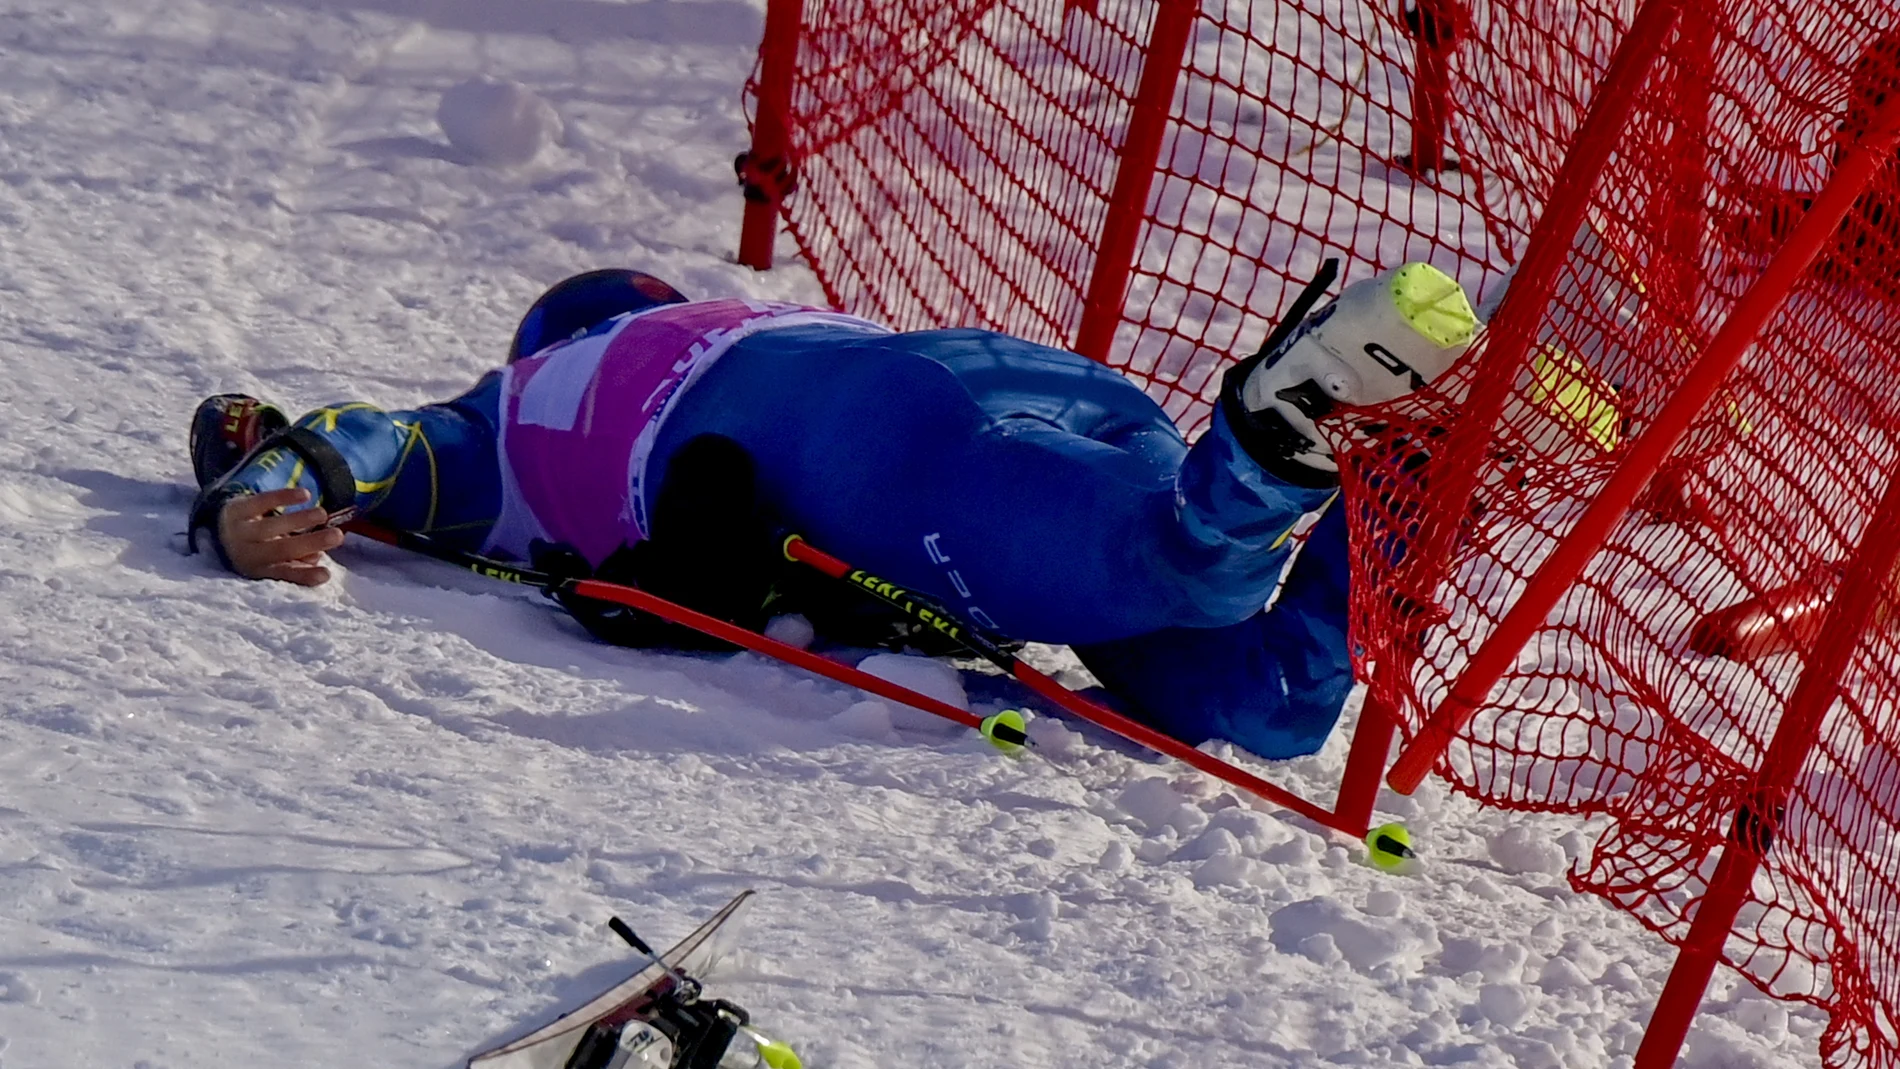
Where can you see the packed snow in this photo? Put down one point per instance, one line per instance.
(494, 122)
(382, 822)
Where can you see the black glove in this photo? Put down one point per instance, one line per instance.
(711, 549)
(715, 548)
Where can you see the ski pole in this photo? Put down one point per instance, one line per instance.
(994, 649)
(998, 729)
(1296, 312)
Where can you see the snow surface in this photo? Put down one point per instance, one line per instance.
(380, 823)
(497, 122)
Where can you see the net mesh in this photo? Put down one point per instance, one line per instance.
(960, 161)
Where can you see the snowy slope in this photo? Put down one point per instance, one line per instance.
(381, 822)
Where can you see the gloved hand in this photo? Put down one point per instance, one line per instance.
(711, 550)
(606, 620)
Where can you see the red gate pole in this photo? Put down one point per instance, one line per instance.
(1365, 767)
(778, 62)
(1134, 176)
(1756, 821)
(1435, 26)
(1560, 570)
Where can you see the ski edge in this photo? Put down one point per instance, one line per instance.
(578, 1019)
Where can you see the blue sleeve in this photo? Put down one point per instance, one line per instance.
(1273, 683)
(434, 470)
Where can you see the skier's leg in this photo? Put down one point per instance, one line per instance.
(1272, 684)
(433, 470)
(1062, 507)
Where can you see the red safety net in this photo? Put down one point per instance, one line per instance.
(959, 163)
(1150, 183)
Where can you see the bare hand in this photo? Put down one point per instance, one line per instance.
(287, 546)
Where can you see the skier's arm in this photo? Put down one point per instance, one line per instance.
(433, 470)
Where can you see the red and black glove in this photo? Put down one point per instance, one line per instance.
(711, 550)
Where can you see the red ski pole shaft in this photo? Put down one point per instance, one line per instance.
(635, 598)
(991, 648)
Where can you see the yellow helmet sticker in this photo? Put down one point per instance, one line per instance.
(1434, 304)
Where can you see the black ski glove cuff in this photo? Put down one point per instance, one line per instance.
(204, 517)
(336, 484)
(1266, 436)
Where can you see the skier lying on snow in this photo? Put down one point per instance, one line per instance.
(646, 439)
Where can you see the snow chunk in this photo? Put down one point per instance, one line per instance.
(1321, 948)
(868, 719)
(1385, 902)
(925, 675)
(1762, 1016)
(1505, 1005)
(1254, 832)
(1054, 739)
(1033, 905)
(1521, 848)
(1482, 887)
(1216, 841)
(1620, 977)
(1363, 945)
(1225, 870)
(1715, 1048)
(1036, 912)
(1589, 960)
(792, 629)
(1154, 805)
(1495, 962)
(1223, 859)
(15, 988)
(1560, 975)
(1296, 852)
(497, 122)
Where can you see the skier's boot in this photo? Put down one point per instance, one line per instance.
(225, 427)
(1383, 338)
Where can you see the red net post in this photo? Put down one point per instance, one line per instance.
(1365, 768)
(1134, 177)
(1434, 26)
(766, 171)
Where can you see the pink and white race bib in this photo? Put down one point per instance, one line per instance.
(580, 418)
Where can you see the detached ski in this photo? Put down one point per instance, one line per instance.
(658, 1018)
